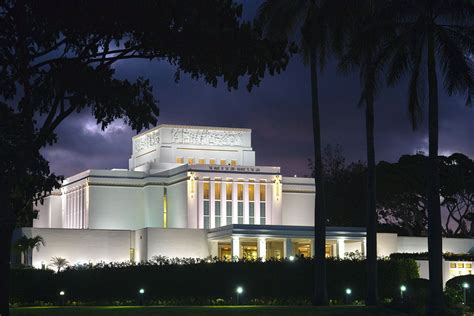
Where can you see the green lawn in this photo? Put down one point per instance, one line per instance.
(200, 310)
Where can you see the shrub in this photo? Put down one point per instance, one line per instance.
(455, 284)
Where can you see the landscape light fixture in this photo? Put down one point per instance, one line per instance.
(61, 293)
(239, 291)
(292, 258)
(465, 287)
(141, 291)
(403, 288)
(348, 293)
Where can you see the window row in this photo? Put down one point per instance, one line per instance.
(240, 190)
(201, 161)
(228, 215)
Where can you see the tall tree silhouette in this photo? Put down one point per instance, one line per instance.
(360, 51)
(57, 58)
(430, 38)
(309, 23)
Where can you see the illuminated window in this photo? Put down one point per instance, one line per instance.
(212, 161)
(222, 162)
(206, 205)
(240, 191)
(202, 161)
(179, 160)
(190, 161)
(304, 249)
(460, 265)
(328, 250)
(262, 192)
(225, 251)
(452, 265)
(249, 250)
(251, 203)
(233, 162)
(468, 265)
(228, 195)
(165, 208)
(206, 190)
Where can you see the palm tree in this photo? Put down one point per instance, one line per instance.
(309, 23)
(362, 42)
(24, 244)
(21, 246)
(59, 263)
(430, 38)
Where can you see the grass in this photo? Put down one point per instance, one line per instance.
(199, 310)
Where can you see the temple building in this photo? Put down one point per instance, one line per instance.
(194, 191)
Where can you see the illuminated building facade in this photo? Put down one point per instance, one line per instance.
(190, 191)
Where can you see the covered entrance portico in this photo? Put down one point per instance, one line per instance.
(278, 242)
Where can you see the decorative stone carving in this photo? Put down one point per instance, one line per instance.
(146, 141)
(206, 137)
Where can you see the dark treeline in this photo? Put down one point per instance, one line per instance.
(401, 194)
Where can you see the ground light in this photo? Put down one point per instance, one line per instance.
(465, 287)
(239, 290)
(348, 294)
(141, 295)
(403, 288)
(61, 297)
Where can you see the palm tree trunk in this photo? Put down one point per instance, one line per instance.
(320, 282)
(372, 291)
(436, 299)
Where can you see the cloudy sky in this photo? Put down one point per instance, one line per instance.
(278, 112)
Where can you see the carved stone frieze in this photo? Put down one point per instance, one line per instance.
(206, 137)
(146, 141)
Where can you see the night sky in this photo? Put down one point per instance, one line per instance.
(278, 112)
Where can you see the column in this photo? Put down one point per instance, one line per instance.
(257, 203)
(312, 248)
(341, 248)
(235, 247)
(363, 245)
(288, 248)
(200, 196)
(212, 204)
(262, 248)
(223, 203)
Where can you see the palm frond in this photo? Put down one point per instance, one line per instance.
(456, 65)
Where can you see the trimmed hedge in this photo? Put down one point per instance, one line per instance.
(424, 256)
(197, 282)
